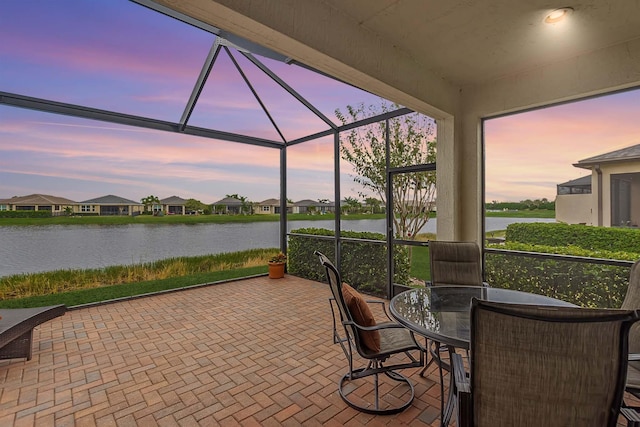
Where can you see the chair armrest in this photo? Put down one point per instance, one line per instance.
(463, 385)
(463, 389)
(633, 357)
(386, 325)
(384, 307)
(631, 415)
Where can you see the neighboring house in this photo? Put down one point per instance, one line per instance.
(270, 206)
(111, 205)
(173, 205)
(573, 201)
(38, 202)
(610, 196)
(313, 207)
(228, 205)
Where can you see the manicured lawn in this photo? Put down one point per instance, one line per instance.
(221, 219)
(172, 219)
(538, 213)
(420, 268)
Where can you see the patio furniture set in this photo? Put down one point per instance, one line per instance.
(527, 359)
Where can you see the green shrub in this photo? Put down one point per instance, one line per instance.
(363, 264)
(584, 284)
(583, 236)
(25, 214)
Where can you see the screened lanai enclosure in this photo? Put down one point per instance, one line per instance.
(111, 71)
(266, 96)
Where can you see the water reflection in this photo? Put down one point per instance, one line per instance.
(55, 247)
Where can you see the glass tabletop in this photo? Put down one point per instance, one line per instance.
(442, 312)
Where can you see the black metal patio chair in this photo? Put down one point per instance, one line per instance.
(386, 347)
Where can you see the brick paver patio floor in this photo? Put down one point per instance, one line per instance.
(249, 352)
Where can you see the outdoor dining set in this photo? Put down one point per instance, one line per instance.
(512, 358)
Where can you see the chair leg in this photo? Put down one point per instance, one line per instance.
(374, 407)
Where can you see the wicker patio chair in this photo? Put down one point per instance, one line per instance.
(538, 366)
(16, 328)
(375, 342)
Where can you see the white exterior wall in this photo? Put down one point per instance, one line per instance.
(574, 208)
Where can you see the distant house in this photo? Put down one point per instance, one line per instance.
(270, 206)
(173, 205)
(609, 196)
(38, 202)
(228, 205)
(313, 206)
(111, 205)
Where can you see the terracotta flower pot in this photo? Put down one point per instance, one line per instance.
(276, 270)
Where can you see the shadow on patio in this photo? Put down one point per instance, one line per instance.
(250, 352)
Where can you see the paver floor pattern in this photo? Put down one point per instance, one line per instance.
(254, 352)
(250, 352)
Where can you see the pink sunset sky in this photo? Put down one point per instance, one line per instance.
(120, 56)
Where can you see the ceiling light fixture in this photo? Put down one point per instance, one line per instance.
(558, 15)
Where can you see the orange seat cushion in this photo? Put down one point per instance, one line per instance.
(363, 316)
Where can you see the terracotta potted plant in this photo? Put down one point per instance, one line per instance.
(276, 266)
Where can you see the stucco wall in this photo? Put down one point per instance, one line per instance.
(574, 208)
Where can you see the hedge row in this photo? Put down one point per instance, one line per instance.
(25, 214)
(584, 284)
(583, 236)
(363, 264)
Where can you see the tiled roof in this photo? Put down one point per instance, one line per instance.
(309, 202)
(173, 200)
(111, 200)
(228, 201)
(270, 202)
(38, 199)
(585, 180)
(624, 154)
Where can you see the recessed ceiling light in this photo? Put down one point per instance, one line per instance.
(558, 15)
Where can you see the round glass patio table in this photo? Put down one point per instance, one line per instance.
(441, 313)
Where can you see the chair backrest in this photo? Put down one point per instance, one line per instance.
(335, 283)
(632, 302)
(552, 366)
(455, 263)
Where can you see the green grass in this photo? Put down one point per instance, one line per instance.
(538, 213)
(222, 219)
(86, 296)
(173, 219)
(420, 268)
(138, 278)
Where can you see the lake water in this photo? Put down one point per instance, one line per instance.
(56, 247)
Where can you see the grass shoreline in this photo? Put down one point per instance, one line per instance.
(223, 219)
(76, 287)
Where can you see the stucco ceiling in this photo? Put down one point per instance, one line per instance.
(464, 42)
(472, 41)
